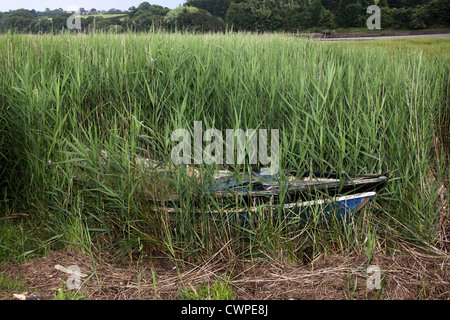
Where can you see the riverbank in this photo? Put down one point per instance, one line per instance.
(373, 34)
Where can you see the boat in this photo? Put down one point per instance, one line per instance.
(313, 193)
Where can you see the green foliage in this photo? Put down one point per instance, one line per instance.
(418, 20)
(64, 293)
(317, 13)
(435, 13)
(245, 15)
(41, 26)
(19, 20)
(178, 15)
(8, 284)
(60, 22)
(349, 13)
(217, 8)
(203, 21)
(146, 16)
(219, 290)
(264, 15)
(74, 123)
(20, 241)
(193, 19)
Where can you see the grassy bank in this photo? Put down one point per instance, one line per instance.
(433, 46)
(78, 113)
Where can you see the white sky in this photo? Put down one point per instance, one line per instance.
(40, 5)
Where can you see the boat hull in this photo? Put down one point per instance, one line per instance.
(339, 207)
(259, 196)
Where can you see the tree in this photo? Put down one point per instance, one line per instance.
(41, 26)
(350, 13)
(255, 15)
(331, 5)
(158, 10)
(250, 15)
(203, 21)
(60, 21)
(19, 20)
(146, 16)
(144, 6)
(2, 21)
(438, 12)
(131, 12)
(143, 20)
(217, 8)
(239, 16)
(317, 12)
(193, 19)
(114, 11)
(175, 18)
(383, 4)
(328, 20)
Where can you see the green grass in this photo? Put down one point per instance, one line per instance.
(65, 98)
(8, 284)
(110, 15)
(64, 293)
(106, 16)
(24, 240)
(429, 46)
(219, 290)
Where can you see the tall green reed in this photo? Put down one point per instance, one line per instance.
(79, 111)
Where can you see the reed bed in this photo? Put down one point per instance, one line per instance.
(80, 112)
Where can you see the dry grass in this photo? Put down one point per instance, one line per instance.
(409, 275)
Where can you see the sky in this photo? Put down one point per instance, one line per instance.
(40, 5)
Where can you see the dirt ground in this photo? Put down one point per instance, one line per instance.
(404, 276)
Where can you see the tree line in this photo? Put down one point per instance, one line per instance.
(238, 15)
